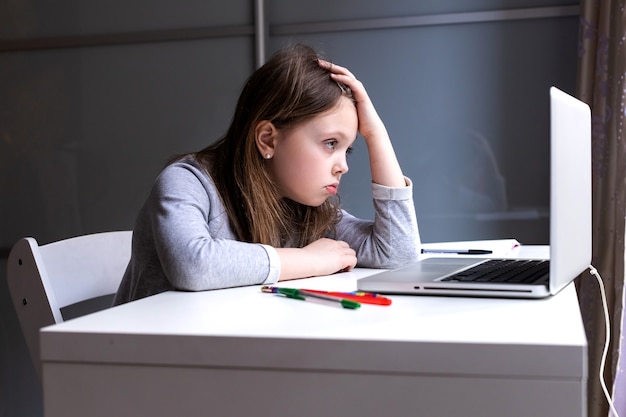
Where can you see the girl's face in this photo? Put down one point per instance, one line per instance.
(310, 159)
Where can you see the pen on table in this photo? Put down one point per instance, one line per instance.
(361, 297)
(459, 251)
(304, 295)
(358, 296)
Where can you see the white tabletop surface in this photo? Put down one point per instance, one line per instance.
(211, 325)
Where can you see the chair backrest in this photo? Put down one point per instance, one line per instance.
(42, 280)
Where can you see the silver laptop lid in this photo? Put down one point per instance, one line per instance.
(570, 188)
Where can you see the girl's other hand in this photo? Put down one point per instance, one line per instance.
(322, 257)
(330, 256)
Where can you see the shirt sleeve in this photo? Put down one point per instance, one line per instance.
(392, 238)
(274, 266)
(193, 239)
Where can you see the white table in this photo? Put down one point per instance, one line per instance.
(241, 352)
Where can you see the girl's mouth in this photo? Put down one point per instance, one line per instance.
(332, 189)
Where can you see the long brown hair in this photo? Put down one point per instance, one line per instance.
(291, 88)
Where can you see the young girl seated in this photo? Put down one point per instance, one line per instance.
(260, 205)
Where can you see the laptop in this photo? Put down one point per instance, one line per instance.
(570, 229)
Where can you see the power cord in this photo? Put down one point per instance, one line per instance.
(607, 340)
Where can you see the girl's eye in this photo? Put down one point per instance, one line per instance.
(333, 143)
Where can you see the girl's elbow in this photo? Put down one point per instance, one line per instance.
(190, 280)
(400, 258)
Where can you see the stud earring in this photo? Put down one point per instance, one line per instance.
(268, 156)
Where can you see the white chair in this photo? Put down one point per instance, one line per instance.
(52, 283)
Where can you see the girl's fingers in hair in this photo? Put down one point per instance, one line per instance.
(324, 64)
(343, 75)
(335, 69)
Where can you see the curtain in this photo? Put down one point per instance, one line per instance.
(600, 83)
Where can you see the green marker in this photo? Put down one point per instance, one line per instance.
(304, 295)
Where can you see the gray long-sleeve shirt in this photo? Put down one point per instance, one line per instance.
(182, 239)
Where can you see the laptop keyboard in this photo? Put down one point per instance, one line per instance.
(512, 271)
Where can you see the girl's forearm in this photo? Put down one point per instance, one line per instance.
(384, 164)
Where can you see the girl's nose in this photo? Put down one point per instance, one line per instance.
(341, 166)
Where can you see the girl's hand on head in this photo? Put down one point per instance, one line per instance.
(370, 124)
(383, 162)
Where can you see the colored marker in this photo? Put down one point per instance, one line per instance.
(305, 295)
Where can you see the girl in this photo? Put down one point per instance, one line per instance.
(260, 205)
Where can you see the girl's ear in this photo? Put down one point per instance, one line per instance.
(265, 135)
